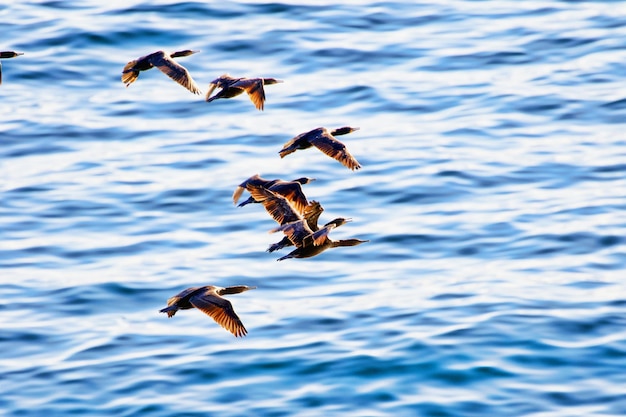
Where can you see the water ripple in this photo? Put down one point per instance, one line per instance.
(490, 193)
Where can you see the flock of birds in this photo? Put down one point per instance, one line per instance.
(285, 201)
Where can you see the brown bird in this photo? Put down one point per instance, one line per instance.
(308, 242)
(325, 141)
(6, 55)
(291, 190)
(311, 216)
(166, 64)
(208, 299)
(232, 87)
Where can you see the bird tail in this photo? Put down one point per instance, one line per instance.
(248, 201)
(282, 258)
(170, 310)
(286, 151)
(275, 246)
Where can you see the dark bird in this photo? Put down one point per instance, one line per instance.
(209, 300)
(308, 242)
(166, 64)
(311, 216)
(291, 190)
(6, 55)
(325, 141)
(232, 87)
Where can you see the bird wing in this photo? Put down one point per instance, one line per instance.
(212, 88)
(276, 205)
(320, 236)
(254, 180)
(292, 191)
(332, 147)
(237, 193)
(255, 90)
(175, 71)
(312, 213)
(297, 232)
(220, 310)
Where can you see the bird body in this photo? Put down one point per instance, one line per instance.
(166, 64)
(209, 300)
(232, 87)
(6, 55)
(325, 141)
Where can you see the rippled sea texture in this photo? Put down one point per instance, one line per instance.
(493, 193)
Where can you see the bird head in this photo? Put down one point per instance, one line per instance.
(344, 130)
(236, 289)
(304, 180)
(339, 221)
(10, 54)
(185, 52)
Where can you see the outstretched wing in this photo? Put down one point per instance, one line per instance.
(255, 90)
(320, 236)
(254, 180)
(312, 213)
(220, 310)
(292, 191)
(276, 205)
(332, 147)
(175, 71)
(237, 193)
(297, 232)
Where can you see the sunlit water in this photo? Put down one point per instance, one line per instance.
(493, 193)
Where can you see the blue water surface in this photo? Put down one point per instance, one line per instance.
(493, 193)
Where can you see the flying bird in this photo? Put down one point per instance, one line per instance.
(309, 243)
(291, 190)
(324, 140)
(311, 215)
(6, 55)
(297, 227)
(232, 87)
(209, 300)
(166, 64)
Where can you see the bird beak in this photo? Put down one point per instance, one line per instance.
(349, 219)
(356, 128)
(20, 53)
